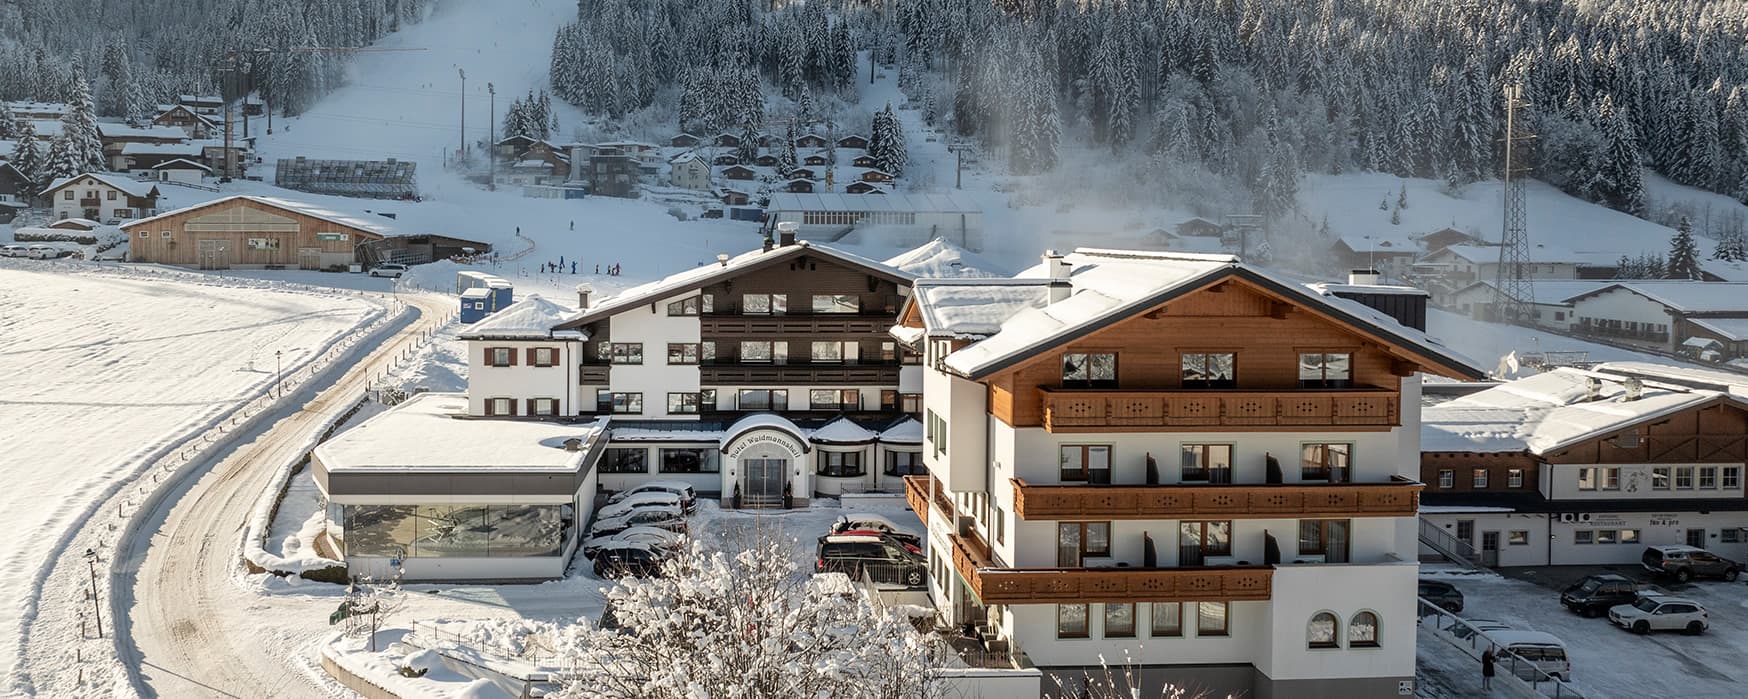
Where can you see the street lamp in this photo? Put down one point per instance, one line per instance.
(463, 73)
(491, 137)
(96, 608)
(278, 369)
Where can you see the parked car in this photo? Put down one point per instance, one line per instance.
(388, 269)
(1688, 562)
(14, 251)
(44, 252)
(688, 496)
(655, 537)
(1596, 594)
(628, 558)
(669, 518)
(1463, 633)
(870, 521)
(1443, 594)
(1543, 651)
(864, 554)
(1659, 613)
(640, 501)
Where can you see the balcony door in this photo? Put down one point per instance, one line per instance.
(1077, 540)
(1199, 540)
(1207, 463)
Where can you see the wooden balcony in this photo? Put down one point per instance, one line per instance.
(799, 374)
(994, 585)
(916, 494)
(734, 325)
(1399, 498)
(1077, 410)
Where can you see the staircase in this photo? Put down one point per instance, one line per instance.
(761, 502)
(1453, 549)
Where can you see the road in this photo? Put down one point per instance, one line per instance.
(185, 613)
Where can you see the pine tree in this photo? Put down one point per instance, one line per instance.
(1402, 197)
(1683, 262)
(8, 122)
(786, 160)
(63, 159)
(749, 143)
(1278, 183)
(1619, 182)
(1472, 125)
(1625, 268)
(27, 154)
(84, 148)
(886, 143)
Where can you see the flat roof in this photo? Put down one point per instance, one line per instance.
(938, 202)
(430, 433)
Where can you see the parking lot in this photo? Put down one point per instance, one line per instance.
(1606, 661)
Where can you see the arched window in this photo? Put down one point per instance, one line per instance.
(1362, 632)
(1323, 632)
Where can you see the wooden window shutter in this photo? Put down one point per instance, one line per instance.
(531, 410)
(489, 412)
(531, 361)
(512, 352)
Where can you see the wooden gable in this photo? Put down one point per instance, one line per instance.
(1715, 432)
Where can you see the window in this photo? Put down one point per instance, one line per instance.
(1166, 620)
(625, 461)
(1119, 620)
(1478, 478)
(111, 194)
(1732, 477)
(834, 399)
(144, 235)
(888, 352)
(618, 403)
(1071, 621)
(1077, 540)
(1089, 370)
(840, 464)
(755, 351)
(1684, 478)
(1611, 478)
(910, 402)
(936, 432)
(1325, 462)
(764, 304)
(67, 195)
(688, 461)
(500, 406)
(1447, 478)
(763, 399)
(621, 352)
(543, 406)
(543, 356)
(1210, 369)
(1324, 537)
(1197, 541)
(684, 307)
(1322, 631)
(1583, 536)
(707, 350)
(1629, 536)
(500, 356)
(1325, 370)
(682, 403)
(1660, 478)
(1605, 536)
(1211, 463)
(706, 303)
(682, 353)
(1587, 478)
(1362, 632)
(1517, 537)
(1211, 618)
(1514, 478)
(836, 303)
(830, 352)
(1089, 463)
(166, 235)
(1708, 477)
(1730, 535)
(905, 463)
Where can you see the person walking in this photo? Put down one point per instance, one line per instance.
(573, 266)
(1487, 659)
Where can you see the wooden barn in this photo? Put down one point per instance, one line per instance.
(251, 232)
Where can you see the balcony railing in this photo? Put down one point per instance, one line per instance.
(1398, 498)
(592, 374)
(993, 585)
(917, 490)
(1075, 410)
(796, 324)
(799, 374)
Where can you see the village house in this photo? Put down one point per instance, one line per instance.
(1668, 315)
(1392, 255)
(613, 173)
(816, 159)
(138, 159)
(683, 140)
(863, 160)
(739, 172)
(765, 160)
(16, 192)
(689, 171)
(855, 141)
(212, 105)
(101, 197)
(725, 159)
(732, 197)
(810, 140)
(193, 124)
(25, 110)
(799, 185)
(860, 187)
(875, 176)
(181, 171)
(804, 173)
(1549, 307)
(726, 140)
(116, 137)
(244, 232)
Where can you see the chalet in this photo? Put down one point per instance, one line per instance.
(101, 197)
(252, 232)
(895, 219)
(1391, 255)
(683, 140)
(803, 172)
(376, 179)
(863, 160)
(540, 164)
(181, 170)
(853, 141)
(634, 148)
(1572, 467)
(816, 159)
(726, 140)
(860, 187)
(732, 197)
(810, 140)
(765, 160)
(116, 137)
(767, 140)
(879, 176)
(1457, 266)
(1666, 314)
(1446, 237)
(25, 110)
(16, 191)
(82, 225)
(1549, 305)
(799, 185)
(138, 159)
(191, 123)
(738, 172)
(725, 159)
(689, 171)
(511, 148)
(1200, 228)
(613, 173)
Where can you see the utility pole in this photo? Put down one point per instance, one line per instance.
(96, 607)
(958, 150)
(492, 137)
(463, 73)
(1513, 294)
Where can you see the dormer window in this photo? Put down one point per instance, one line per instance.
(1089, 370)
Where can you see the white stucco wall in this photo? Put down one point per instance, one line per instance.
(1553, 542)
(1376, 456)
(651, 325)
(1032, 627)
(1621, 305)
(1560, 482)
(1033, 542)
(1387, 590)
(522, 381)
(962, 404)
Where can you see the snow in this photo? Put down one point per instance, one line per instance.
(1734, 329)
(424, 434)
(942, 258)
(1692, 296)
(338, 216)
(1547, 412)
(907, 431)
(1489, 341)
(842, 431)
(91, 396)
(531, 318)
(109, 130)
(133, 188)
(1729, 382)
(192, 150)
(975, 308)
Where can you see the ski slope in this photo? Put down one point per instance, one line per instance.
(99, 371)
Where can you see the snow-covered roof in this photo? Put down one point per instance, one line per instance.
(46, 128)
(531, 318)
(181, 164)
(29, 107)
(763, 421)
(1539, 254)
(706, 274)
(1547, 292)
(368, 224)
(180, 149)
(1327, 288)
(940, 258)
(907, 431)
(1550, 411)
(429, 432)
(133, 188)
(973, 309)
(842, 431)
(685, 157)
(1692, 377)
(827, 201)
(680, 432)
(1733, 329)
(1687, 296)
(1380, 244)
(157, 132)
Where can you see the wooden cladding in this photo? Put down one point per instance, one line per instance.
(1298, 500)
(916, 494)
(718, 325)
(994, 585)
(799, 374)
(1175, 410)
(592, 374)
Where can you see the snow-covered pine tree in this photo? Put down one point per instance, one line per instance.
(1277, 187)
(1402, 197)
(1683, 261)
(63, 159)
(786, 158)
(8, 122)
(1697, 161)
(79, 128)
(749, 143)
(1619, 182)
(27, 153)
(896, 155)
(1626, 268)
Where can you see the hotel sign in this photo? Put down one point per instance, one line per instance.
(742, 445)
(331, 236)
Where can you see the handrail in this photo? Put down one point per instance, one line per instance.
(1459, 551)
(1516, 667)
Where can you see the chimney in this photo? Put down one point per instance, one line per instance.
(1635, 388)
(786, 232)
(722, 259)
(583, 291)
(1592, 388)
(1057, 270)
(1363, 277)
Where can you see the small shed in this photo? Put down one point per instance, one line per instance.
(725, 159)
(765, 160)
(803, 172)
(726, 140)
(860, 187)
(876, 176)
(503, 293)
(474, 304)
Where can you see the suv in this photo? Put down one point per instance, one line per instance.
(1688, 562)
(628, 558)
(1596, 594)
(1443, 594)
(1658, 613)
(388, 269)
(881, 559)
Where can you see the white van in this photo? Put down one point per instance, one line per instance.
(1544, 650)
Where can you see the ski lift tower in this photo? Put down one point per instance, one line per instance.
(1243, 225)
(1512, 290)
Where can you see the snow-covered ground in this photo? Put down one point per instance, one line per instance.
(102, 369)
(1487, 343)
(1607, 662)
